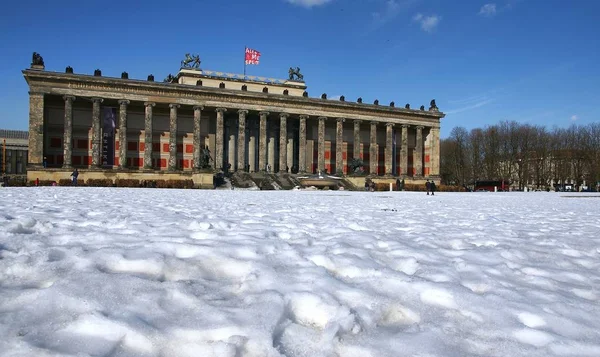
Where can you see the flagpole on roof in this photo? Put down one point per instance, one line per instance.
(245, 48)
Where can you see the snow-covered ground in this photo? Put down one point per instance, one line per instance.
(137, 272)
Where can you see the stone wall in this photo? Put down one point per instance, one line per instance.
(201, 180)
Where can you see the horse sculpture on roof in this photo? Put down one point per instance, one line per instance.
(191, 61)
(295, 73)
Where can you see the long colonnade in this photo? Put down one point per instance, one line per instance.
(245, 146)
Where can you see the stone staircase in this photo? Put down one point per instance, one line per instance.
(348, 186)
(243, 180)
(264, 181)
(271, 181)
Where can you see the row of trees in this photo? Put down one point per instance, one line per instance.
(523, 154)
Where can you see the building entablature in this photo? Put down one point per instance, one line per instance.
(138, 90)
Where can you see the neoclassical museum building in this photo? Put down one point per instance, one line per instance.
(198, 122)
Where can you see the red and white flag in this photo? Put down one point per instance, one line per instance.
(252, 56)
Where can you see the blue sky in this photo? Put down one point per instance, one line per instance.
(533, 61)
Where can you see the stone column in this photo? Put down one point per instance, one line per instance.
(339, 146)
(373, 155)
(36, 129)
(148, 135)
(262, 141)
(231, 154)
(418, 153)
(290, 148)
(404, 151)
(123, 133)
(321, 144)
(271, 133)
(198, 145)
(356, 154)
(434, 152)
(252, 145)
(241, 144)
(219, 139)
(68, 138)
(389, 150)
(302, 144)
(173, 137)
(283, 141)
(96, 133)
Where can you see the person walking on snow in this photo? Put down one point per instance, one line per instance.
(432, 188)
(427, 187)
(75, 173)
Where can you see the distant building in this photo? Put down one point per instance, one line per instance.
(13, 158)
(133, 128)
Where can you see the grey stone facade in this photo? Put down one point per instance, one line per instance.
(68, 131)
(96, 132)
(148, 106)
(279, 129)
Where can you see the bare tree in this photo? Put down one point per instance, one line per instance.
(475, 149)
(540, 162)
(532, 154)
(448, 174)
(491, 152)
(593, 155)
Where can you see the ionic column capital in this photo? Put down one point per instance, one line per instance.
(221, 110)
(304, 116)
(373, 123)
(149, 104)
(405, 126)
(266, 114)
(69, 98)
(389, 125)
(124, 102)
(97, 100)
(420, 127)
(198, 107)
(340, 120)
(322, 119)
(284, 115)
(174, 105)
(242, 112)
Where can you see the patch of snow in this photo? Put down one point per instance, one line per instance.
(240, 273)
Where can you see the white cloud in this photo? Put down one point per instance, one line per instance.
(470, 106)
(308, 3)
(428, 23)
(488, 10)
(391, 10)
(388, 11)
(574, 117)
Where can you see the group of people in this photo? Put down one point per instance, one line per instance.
(430, 187)
(399, 185)
(369, 185)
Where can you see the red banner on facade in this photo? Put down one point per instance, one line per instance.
(252, 56)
